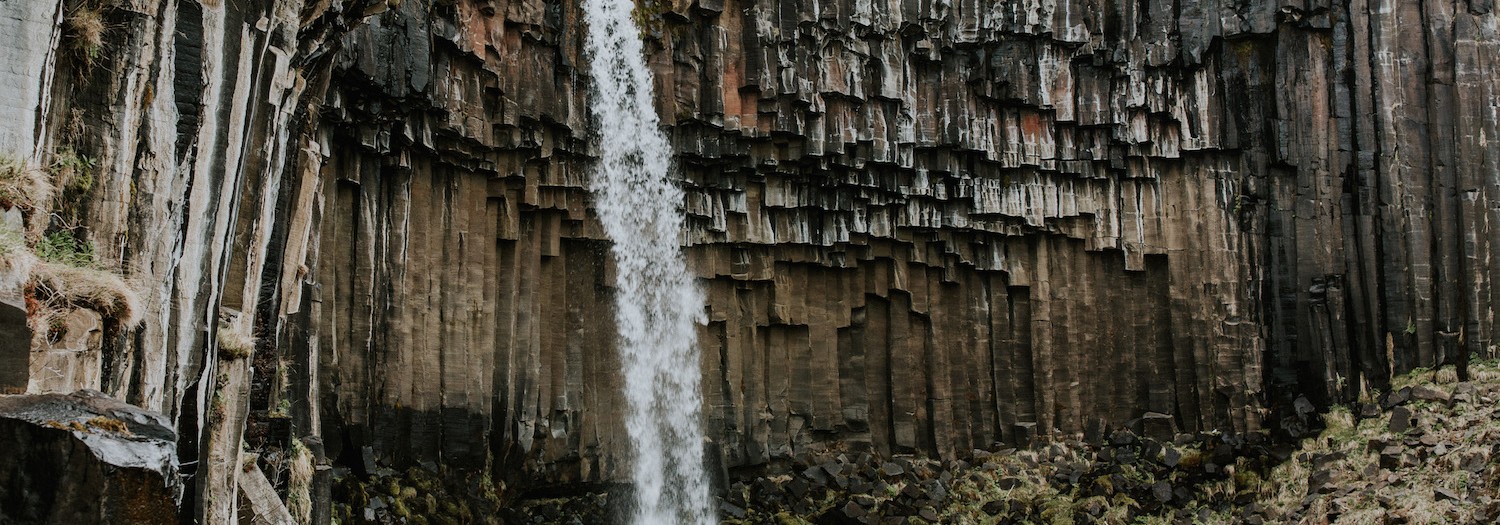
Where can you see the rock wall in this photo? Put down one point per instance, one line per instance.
(923, 226)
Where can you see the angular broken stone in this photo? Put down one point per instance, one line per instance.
(1401, 420)
(1430, 393)
(1390, 457)
(1397, 397)
(731, 510)
(1172, 457)
(1162, 491)
(1465, 387)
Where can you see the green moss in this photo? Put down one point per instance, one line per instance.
(63, 248)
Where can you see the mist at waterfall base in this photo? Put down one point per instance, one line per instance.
(657, 303)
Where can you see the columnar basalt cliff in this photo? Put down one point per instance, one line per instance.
(921, 225)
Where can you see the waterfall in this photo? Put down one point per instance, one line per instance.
(656, 302)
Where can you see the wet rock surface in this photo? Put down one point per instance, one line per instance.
(85, 458)
(923, 227)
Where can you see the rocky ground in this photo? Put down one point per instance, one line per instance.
(1427, 452)
(1424, 453)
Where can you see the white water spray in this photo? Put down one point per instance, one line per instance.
(656, 303)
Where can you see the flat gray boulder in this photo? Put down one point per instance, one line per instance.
(85, 458)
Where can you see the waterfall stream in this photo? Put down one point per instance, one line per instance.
(656, 302)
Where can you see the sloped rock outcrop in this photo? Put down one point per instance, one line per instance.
(86, 458)
(922, 226)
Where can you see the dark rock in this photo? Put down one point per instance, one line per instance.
(1162, 491)
(1472, 462)
(892, 469)
(1323, 460)
(1444, 494)
(1318, 482)
(1390, 457)
(85, 458)
(796, 487)
(1024, 434)
(1465, 388)
(994, 507)
(1401, 420)
(1369, 410)
(731, 510)
(15, 346)
(936, 492)
(928, 514)
(1303, 407)
(1397, 398)
(851, 513)
(1431, 393)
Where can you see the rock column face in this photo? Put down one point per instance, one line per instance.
(921, 226)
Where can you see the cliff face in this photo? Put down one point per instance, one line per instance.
(922, 226)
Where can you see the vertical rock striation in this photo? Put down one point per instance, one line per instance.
(921, 226)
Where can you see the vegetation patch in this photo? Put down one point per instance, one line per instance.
(417, 496)
(84, 30)
(110, 424)
(22, 186)
(299, 482)
(235, 342)
(1428, 452)
(99, 290)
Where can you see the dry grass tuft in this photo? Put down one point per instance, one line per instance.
(27, 189)
(22, 185)
(235, 341)
(299, 482)
(92, 288)
(16, 261)
(110, 424)
(84, 29)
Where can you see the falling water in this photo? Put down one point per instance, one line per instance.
(656, 303)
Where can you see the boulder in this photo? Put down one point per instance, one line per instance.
(85, 458)
(1401, 420)
(1431, 393)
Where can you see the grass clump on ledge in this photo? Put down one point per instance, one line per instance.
(28, 189)
(68, 275)
(59, 270)
(92, 288)
(21, 186)
(235, 342)
(84, 30)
